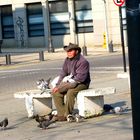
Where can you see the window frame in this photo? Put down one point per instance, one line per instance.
(59, 18)
(84, 20)
(7, 27)
(35, 27)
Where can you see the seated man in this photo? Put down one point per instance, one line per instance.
(74, 77)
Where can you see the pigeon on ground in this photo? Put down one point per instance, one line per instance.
(39, 119)
(46, 123)
(118, 110)
(79, 118)
(70, 118)
(75, 118)
(107, 108)
(44, 120)
(4, 123)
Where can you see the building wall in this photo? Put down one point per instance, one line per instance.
(89, 39)
(113, 24)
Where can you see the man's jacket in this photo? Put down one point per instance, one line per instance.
(78, 67)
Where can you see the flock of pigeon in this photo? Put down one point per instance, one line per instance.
(45, 121)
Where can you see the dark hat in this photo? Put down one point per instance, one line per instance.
(72, 46)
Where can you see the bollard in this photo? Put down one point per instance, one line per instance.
(111, 46)
(104, 42)
(8, 59)
(41, 56)
(84, 48)
(1, 45)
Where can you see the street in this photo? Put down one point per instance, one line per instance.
(24, 78)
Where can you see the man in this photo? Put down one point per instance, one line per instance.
(74, 77)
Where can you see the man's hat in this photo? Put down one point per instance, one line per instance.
(72, 46)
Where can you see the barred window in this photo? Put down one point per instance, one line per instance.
(7, 21)
(59, 17)
(83, 13)
(35, 20)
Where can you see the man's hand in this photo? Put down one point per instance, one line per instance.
(54, 90)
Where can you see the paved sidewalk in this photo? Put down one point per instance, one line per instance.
(22, 59)
(107, 126)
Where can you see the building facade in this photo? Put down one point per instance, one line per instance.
(32, 25)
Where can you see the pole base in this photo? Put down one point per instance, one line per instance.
(51, 50)
(84, 48)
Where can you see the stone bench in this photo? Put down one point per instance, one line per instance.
(36, 102)
(90, 102)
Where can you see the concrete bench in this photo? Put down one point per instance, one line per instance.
(90, 102)
(36, 102)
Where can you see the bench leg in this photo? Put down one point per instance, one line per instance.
(90, 106)
(29, 106)
(40, 106)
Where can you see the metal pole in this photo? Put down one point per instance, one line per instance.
(133, 32)
(106, 25)
(122, 39)
(41, 56)
(72, 20)
(50, 45)
(8, 59)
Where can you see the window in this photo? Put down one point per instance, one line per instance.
(7, 22)
(59, 17)
(35, 20)
(83, 13)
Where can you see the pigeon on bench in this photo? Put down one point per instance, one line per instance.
(43, 85)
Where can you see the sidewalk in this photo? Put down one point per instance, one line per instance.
(21, 59)
(109, 126)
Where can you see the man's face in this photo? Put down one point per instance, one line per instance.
(72, 53)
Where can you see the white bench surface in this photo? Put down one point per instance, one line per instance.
(98, 91)
(33, 93)
(88, 92)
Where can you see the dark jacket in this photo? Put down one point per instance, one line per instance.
(79, 67)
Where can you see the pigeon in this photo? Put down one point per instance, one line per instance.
(46, 123)
(118, 110)
(39, 119)
(4, 123)
(107, 108)
(43, 118)
(43, 84)
(70, 118)
(75, 117)
(79, 118)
